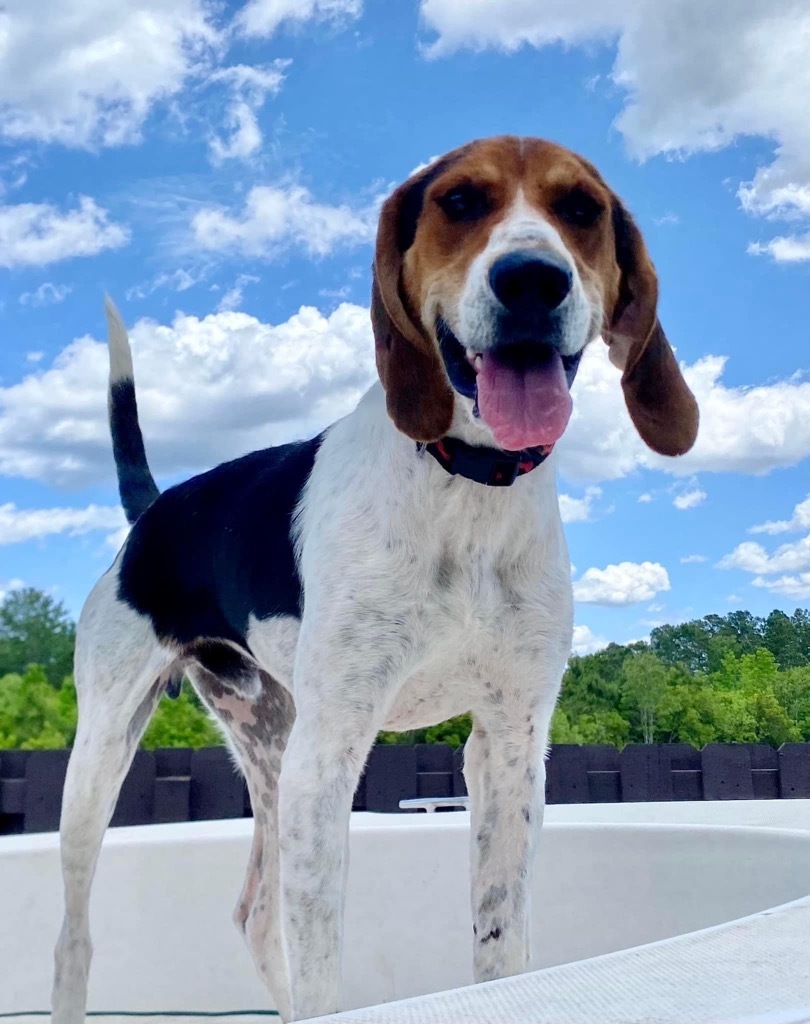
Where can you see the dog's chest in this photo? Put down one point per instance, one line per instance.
(471, 584)
(476, 560)
(391, 538)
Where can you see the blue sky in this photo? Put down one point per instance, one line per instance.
(218, 171)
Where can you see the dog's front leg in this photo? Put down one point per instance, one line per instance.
(505, 773)
(342, 694)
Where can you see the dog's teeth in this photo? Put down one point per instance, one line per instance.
(478, 362)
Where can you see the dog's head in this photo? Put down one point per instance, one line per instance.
(495, 266)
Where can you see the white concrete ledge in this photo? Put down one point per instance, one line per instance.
(609, 878)
(756, 969)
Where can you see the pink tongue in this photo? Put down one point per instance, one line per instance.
(524, 408)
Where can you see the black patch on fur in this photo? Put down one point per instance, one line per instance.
(136, 485)
(216, 549)
(411, 206)
(624, 231)
(234, 670)
(174, 687)
(494, 934)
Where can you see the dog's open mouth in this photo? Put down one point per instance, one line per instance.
(521, 390)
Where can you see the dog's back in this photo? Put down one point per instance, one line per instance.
(217, 548)
(210, 552)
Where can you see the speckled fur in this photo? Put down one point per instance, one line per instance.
(446, 597)
(424, 596)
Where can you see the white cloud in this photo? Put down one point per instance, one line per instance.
(784, 248)
(689, 499)
(750, 430)
(7, 586)
(341, 294)
(46, 295)
(645, 499)
(423, 166)
(796, 587)
(208, 389)
(586, 641)
(263, 17)
(53, 425)
(622, 584)
(13, 173)
(18, 525)
(249, 87)
(232, 299)
(693, 559)
(35, 234)
(34, 357)
(667, 218)
(792, 560)
(800, 520)
(177, 280)
(752, 557)
(277, 217)
(681, 96)
(579, 510)
(85, 73)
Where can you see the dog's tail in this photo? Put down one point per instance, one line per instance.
(136, 485)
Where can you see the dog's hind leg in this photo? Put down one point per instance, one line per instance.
(118, 672)
(257, 731)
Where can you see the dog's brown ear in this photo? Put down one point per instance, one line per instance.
(417, 392)
(660, 404)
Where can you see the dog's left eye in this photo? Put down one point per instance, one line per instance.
(464, 203)
(578, 208)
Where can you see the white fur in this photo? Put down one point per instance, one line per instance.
(523, 228)
(425, 596)
(117, 344)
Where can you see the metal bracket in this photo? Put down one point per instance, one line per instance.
(431, 803)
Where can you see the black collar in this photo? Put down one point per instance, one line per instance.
(490, 466)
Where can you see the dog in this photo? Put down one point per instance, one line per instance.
(405, 566)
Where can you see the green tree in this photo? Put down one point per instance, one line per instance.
(722, 678)
(750, 673)
(700, 645)
(747, 706)
(734, 717)
(773, 723)
(593, 682)
(644, 683)
(686, 644)
(785, 641)
(34, 715)
(686, 714)
(604, 727)
(36, 630)
(454, 731)
(792, 691)
(562, 731)
(745, 628)
(181, 723)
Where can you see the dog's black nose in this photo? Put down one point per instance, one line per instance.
(530, 282)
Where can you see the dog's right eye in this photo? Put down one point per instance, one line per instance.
(464, 203)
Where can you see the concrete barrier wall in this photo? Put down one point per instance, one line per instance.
(164, 895)
(200, 785)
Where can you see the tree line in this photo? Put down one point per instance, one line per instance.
(723, 678)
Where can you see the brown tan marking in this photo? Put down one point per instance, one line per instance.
(422, 264)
